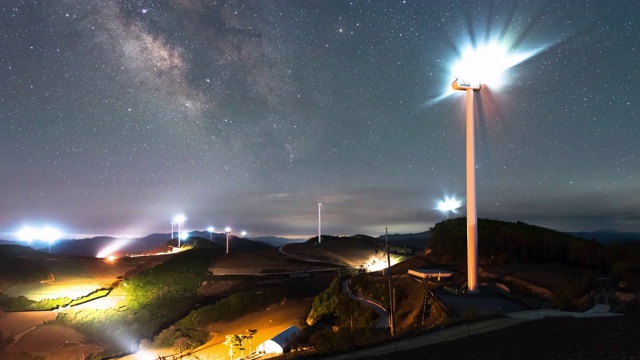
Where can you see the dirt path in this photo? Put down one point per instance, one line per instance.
(53, 342)
(13, 323)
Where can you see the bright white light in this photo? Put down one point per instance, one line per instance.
(184, 235)
(180, 218)
(27, 234)
(484, 64)
(244, 233)
(227, 229)
(449, 204)
(487, 63)
(48, 234)
(211, 229)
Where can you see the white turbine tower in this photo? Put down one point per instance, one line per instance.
(179, 219)
(472, 216)
(478, 66)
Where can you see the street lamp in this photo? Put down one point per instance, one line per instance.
(27, 234)
(179, 219)
(243, 233)
(210, 229)
(50, 235)
(319, 222)
(227, 231)
(448, 205)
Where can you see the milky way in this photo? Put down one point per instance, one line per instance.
(117, 115)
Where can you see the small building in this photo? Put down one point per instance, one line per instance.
(280, 343)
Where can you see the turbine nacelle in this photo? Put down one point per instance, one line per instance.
(459, 84)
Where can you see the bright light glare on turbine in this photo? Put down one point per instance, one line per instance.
(487, 63)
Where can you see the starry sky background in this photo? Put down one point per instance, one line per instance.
(117, 115)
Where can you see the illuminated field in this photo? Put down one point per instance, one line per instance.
(72, 278)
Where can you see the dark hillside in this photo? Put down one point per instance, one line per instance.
(501, 242)
(20, 264)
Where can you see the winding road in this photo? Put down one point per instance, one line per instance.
(383, 315)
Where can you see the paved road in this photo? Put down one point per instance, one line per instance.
(452, 333)
(460, 331)
(383, 315)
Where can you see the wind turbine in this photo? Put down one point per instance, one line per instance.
(478, 66)
(179, 219)
(319, 222)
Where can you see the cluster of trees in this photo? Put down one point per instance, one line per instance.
(352, 323)
(335, 307)
(237, 342)
(502, 242)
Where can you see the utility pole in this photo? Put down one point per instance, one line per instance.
(391, 299)
(319, 222)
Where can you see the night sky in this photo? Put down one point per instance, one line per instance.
(117, 115)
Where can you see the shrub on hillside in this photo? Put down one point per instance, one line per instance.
(336, 305)
(569, 296)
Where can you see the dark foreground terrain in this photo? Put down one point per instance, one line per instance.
(605, 338)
